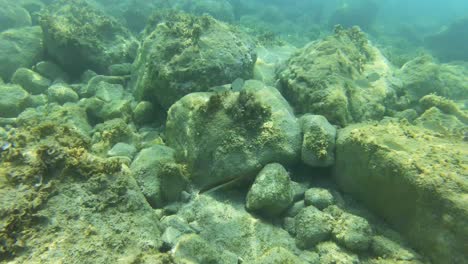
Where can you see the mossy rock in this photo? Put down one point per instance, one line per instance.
(414, 178)
(231, 135)
(13, 100)
(21, 47)
(80, 37)
(342, 77)
(185, 54)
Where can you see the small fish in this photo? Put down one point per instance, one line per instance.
(5, 146)
(363, 83)
(237, 85)
(373, 77)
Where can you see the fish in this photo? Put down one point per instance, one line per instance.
(237, 85)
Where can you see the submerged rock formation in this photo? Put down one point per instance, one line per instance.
(227, 135)
(80, 37)
(412, 177)
(342, 77)
(186, 54)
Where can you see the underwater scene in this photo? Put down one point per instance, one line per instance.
(234, 131)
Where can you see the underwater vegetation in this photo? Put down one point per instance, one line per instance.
(231, 131)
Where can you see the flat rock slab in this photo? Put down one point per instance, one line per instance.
(412, 177)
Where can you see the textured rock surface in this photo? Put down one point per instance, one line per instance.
(187, 54)
(20, 47)
(229, 135)
(160, 178)
(31, 81)
(413, 178)
(342, 77)
(312, 226)
(271, 193)
(80, 37)
(318, 143)
(13, 100)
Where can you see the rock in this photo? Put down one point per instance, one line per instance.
(13, 15)
(20, 47)
(30, 81)
(246, 131)
(445, 105)
(230, 225)
(422, 76)
(445, 124)
(312, 227)
(122, 149)
(271, 193)
(39, 100)
(194, 249)
(121, 69)
(330, 253)
(396, 170)
(382, 246)
(342, 77)
(106, 83)
(353, 232)
(279, 255)
(295, 208)
(449, 44)
(116, 109)
(319, 198)
(51, 71)
(61, 93)
(80, 37)
(318, 144)
(109, 92)
(189, 54)
(160, 178)
(143, 113)
(13, 100)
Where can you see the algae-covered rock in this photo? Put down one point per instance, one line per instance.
(279, 255)
(342, 77)
(186, 54)
(194, 249)
(230, 135)
(123, 150)
(330, 253)
(319, 198)
(318, 143)
(222, 220)
(31, 81)
(13, 100)
(51, 71)
(160, 178)
(61, 93)
(412, 177)
(450, 43)
(422, 76)
(13, 15)
(353, 232)
(20, 47)
(271, 192)
(312, 226)
(80, 37)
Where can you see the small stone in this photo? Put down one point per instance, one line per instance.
(193, 248)
(312, 227)
(13, 100)
(116, 109)
(296, 208)
(353, 232)
(30, 81)
(39, 100)
(51, 71)
(271, 192)
(318, 197)
(122, 149)
(61, 93)
(109, 92)
(278, 255)
(331, 253)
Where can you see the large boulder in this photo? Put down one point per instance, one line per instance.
(412, 177)
(13, 15)
(20, 47)
(342, 77)
(228, 135)
(80, 37)
(186, 54)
